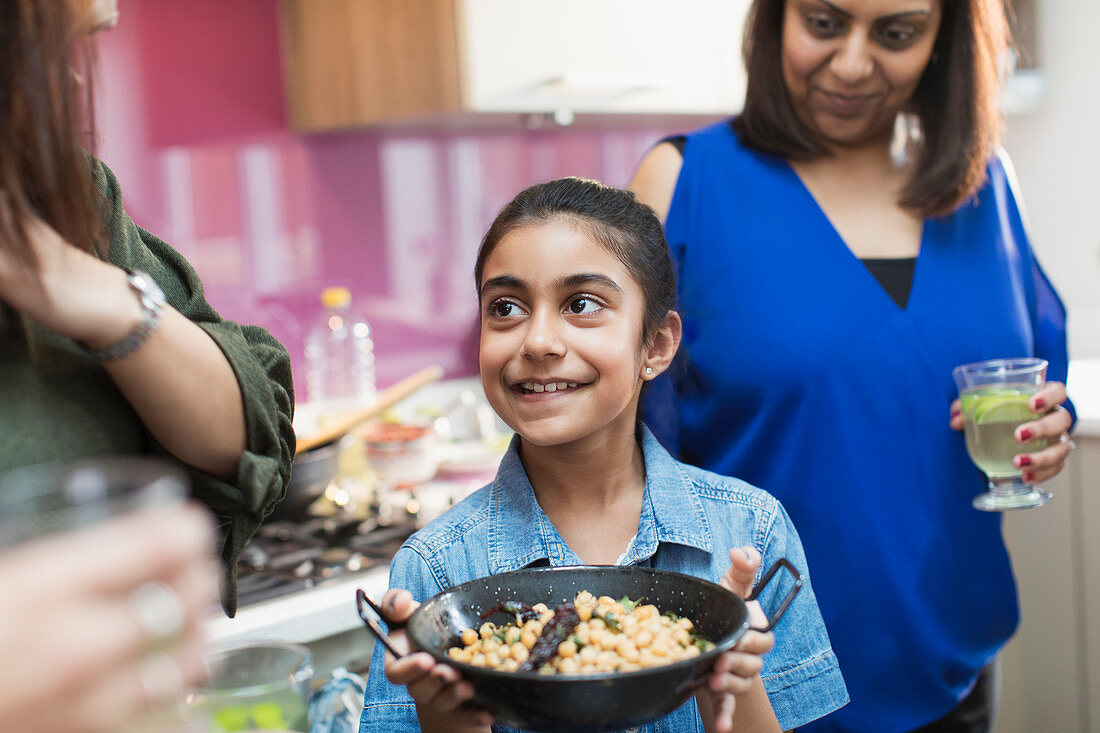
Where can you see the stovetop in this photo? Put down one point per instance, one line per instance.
(288, 556)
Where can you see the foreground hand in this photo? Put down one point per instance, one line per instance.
(737, 671)
(104, 623)
(1052, 426)
(437, 688)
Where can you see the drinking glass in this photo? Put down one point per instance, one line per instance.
(254, 685)
(37, 501)
(994, 396)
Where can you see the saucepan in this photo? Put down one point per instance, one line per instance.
(598, 702)
(316, 459)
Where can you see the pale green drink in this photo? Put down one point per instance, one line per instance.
(992, 415)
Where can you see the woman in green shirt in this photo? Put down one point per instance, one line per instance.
(94, 360)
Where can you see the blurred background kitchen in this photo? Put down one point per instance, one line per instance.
(284, 147)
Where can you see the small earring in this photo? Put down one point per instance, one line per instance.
(649, 370)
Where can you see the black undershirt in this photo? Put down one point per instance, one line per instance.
(895, 274)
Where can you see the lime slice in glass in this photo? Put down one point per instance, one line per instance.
(1003, 410)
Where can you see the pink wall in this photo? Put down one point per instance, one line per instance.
(192, 119)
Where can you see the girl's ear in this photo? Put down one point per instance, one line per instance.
(666, 340)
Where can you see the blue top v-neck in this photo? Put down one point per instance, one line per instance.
(801, 375)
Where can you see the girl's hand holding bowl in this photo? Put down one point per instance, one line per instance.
(438, 689)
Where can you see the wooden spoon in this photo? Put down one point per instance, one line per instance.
(386, 399)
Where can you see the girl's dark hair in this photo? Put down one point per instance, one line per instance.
(956, 101)
(627, 228)
(45, 126)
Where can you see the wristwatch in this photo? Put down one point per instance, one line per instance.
(152, 302)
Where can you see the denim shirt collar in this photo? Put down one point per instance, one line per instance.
(671, 513)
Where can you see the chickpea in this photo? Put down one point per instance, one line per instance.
(588, 655)
(568, 666)
(528, 639)
(606, 601)
(685, 623)
(540, 608)
(628, 651)
(597, 634)
(643, 638)
(567, 649)
(469, 636)
(584, 612)
(510, 665)
(692, 651)
(597, 623)
(454, 652)
(519, 652)
(681, 636)
(492, 659)
(533, 626)
(609, 641)
(490, 644)
(583, 597)
(582, 632)
(478, 660)
(512, 635)
(487, 629)
(545, 617)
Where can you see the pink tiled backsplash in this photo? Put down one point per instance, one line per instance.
(198, 138)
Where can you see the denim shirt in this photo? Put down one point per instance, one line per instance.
(690, 521)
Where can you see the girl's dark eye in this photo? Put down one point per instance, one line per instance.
(502, 309)
(823, 25)
(583, 305)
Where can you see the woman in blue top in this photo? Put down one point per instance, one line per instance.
(831, 273)
(576, 292)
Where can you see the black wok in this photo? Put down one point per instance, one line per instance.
(592, 702)
(309, 475)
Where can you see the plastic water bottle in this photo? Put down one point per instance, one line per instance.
(339, 356)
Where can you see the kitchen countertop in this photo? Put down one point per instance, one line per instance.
(305, 616)
(1084, 390)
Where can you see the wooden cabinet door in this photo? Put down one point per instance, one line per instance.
(358, 62)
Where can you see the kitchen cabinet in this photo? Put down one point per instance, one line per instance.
(1052, 666)
(365, 62)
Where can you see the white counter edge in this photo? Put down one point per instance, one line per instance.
(304, 616)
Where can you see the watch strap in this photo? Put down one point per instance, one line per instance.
(152, 302)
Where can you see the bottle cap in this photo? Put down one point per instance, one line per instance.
(336, 297)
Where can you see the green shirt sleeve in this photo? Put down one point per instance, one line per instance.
(262, 367)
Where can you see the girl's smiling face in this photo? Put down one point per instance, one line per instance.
(851, 65)
(562, 356)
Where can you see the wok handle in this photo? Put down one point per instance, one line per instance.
(781, 562)
(372, 616)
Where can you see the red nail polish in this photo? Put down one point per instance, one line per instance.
(1025, 461)
(1028, 477)
(1040, 403)
(1025, 435)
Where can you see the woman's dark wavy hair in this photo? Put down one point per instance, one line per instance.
(45, 126)
(627, 228)
(956, 101)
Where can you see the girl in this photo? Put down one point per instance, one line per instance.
(576, 294)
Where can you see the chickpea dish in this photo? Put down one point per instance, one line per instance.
(588, 636)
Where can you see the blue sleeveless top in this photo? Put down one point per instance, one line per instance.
(799, 374)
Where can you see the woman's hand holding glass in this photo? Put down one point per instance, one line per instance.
(1052, 424)
(102, 625)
